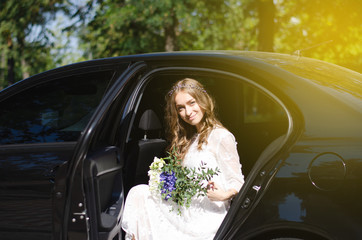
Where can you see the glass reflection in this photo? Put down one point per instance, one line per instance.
(55, 111)
(291, 208)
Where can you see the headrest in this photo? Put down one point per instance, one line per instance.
(149, 121)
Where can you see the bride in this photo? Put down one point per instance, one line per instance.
(199, 137)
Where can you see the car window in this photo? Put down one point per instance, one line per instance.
(258, 108)
(56, 111)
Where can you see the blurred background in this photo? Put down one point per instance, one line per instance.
(38, 35)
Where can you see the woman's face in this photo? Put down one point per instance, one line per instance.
(188, 109)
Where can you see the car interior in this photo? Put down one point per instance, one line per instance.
(255, 119)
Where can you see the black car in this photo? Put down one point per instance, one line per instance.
(75, 139)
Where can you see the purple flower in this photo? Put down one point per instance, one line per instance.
(169, 182)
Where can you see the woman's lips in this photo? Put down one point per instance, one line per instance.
(192, 117)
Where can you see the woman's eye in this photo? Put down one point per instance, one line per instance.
(180, 109)
(193, 102)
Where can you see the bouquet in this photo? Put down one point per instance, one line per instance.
(171, 181)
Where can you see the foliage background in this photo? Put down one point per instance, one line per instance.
(37, 35)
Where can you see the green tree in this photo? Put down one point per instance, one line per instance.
(138, 26)
(326, 30)
(20, 55)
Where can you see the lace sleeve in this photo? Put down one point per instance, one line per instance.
(228, 161)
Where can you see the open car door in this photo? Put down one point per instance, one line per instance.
(93, 201)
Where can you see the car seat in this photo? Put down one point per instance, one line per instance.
(144, 150)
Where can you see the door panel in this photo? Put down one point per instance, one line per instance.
(27, 177)
(105, 183)
(93, 206)
(39, 126)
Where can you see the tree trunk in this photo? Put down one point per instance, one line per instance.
(11, 63)
(21, 48)
(266, 11)
(11, 74)
(24, 68)
(170, 40)
(2, 69)
(170, 34)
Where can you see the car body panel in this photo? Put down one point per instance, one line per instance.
(295, 202)
(26, 202)
(306, 184)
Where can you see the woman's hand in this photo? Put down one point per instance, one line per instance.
(215, 193)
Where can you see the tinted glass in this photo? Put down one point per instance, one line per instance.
(56, 111)
(258, 107)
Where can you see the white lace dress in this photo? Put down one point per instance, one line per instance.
(148, 217)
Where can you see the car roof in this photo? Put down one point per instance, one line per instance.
(339, 81)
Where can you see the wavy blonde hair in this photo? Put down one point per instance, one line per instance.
(178, 131)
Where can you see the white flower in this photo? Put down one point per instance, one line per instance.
(157, 164)
(154, 174)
